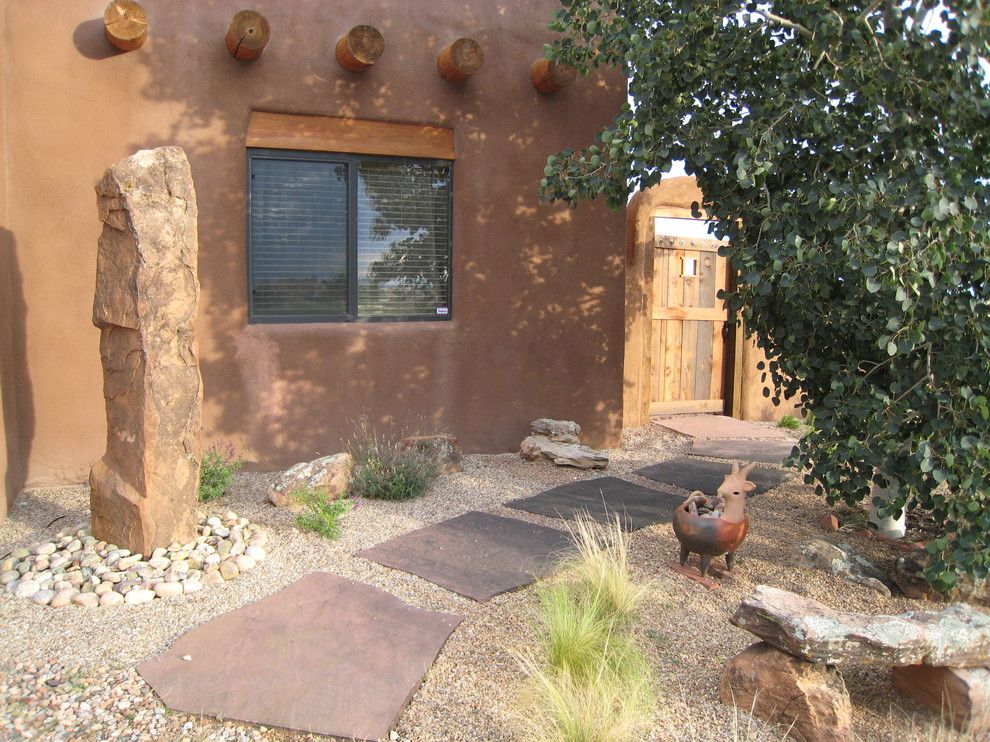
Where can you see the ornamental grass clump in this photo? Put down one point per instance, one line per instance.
(587, 680)
(216, 471)
(318, 514)
(385, 470)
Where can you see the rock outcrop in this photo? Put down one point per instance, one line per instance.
(961, 695)
(329, 474)
(958, 636)
(558, 441)
(144, 489)
(840, 560)
(809, 699)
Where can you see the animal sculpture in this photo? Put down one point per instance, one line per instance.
(713, 526)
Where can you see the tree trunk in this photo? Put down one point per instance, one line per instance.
(549, 77)
(460, 60)
(125, 24)
(360, 48)
(248, 35)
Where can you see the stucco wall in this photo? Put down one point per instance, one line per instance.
(538, 289)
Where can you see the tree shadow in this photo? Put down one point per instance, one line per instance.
(538, 300)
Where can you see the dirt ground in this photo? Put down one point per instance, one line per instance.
(68, 673)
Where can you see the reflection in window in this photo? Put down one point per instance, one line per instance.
(345, 237)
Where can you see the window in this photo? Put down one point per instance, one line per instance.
(344, 237)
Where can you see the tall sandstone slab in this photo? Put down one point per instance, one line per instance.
(143, 490)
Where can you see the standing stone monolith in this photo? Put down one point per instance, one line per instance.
(143, 490)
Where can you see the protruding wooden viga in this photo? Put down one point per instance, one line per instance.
(460, 60)
(549, 77)
(360, 48)
(248, 35)
(125, 24)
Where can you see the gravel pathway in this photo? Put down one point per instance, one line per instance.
(67, 674)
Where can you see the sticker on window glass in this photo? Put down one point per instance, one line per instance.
(443, 311)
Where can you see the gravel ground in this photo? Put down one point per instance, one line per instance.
(67, 674)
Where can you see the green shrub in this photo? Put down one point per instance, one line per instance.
(789, 422)
(383, 470)
(320, 515)
(216, 471)
(588, 680)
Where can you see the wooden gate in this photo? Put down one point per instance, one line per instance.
(687, 356)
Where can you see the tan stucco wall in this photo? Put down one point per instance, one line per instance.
(11, 469)
(673, 197)
(538, 289)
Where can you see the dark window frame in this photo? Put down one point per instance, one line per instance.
(351, 161)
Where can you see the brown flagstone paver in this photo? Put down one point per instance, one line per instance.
(477, 555)
(696, 474)
(720, 426)
(602, 500)
(325, 654)
(743, 449)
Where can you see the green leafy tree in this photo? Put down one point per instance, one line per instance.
(843, 150)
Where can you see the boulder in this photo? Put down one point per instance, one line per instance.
(808, 699)
(961, 695)
(958, 636)
(840, 560)
(144, 489)
(561, 431)
(330, 474)
(563, 454)
(444, 447)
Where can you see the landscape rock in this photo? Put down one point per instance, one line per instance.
(840, 560)
(829, 522)
(563, 454)
(331, 474)
(561, 431)
(144, 488)
(961, 695)
(808, 698)
(86, 600)
(958, 636)
(445, 448)
(138, 595)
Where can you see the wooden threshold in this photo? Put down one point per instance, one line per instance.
(690, 405)
(349, 136)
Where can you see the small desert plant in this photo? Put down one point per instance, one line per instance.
(789, 422)
(601, 570)
(320, 515)
(384, 470)
(588, 681)
(216, 471)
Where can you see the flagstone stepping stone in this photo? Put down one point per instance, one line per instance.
(477, 555)
(325, 655)
(695, 474)
(720, 426)
(743, 449)
(602, 499)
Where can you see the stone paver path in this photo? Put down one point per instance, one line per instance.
(477, 555)
(719, 426)
(695, 474)
(325, 655)
(603, 499)
(743, 449)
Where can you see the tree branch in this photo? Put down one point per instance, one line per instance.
(781, 21)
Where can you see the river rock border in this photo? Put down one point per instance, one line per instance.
(76, 569)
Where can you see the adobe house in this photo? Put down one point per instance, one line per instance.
(371, 241)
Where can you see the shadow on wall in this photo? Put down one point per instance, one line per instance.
(17, 401)
(538, 325)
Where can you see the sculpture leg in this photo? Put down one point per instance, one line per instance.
(684, 555)
(706, 562)
(730, 559)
